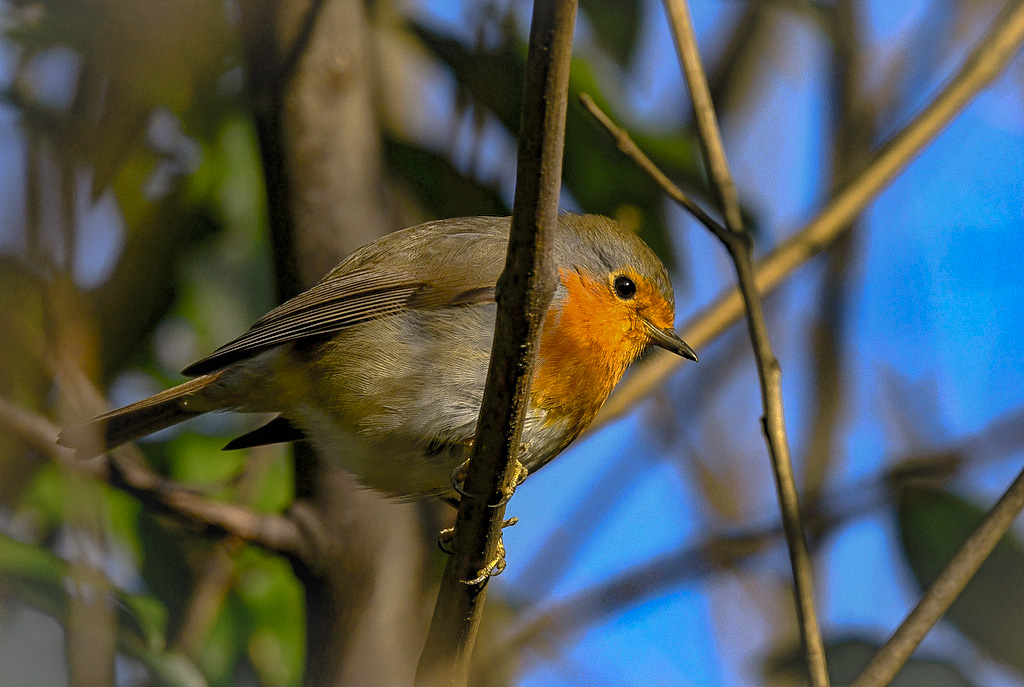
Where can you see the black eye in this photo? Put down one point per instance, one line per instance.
(624, 288)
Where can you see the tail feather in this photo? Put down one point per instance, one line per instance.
(118, 427)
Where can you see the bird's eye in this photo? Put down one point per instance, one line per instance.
(624, 288)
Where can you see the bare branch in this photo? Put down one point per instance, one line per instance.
(945, 589)
(524, 292)
(630, 149)
(987, 60)
(276, 533)
(704, 114)
(739, 243)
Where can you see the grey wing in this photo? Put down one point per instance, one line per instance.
(330, 306)
(357, 290)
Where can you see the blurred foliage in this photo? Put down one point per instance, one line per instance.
(933, 524)
(617, 25)
(141, 243)
(848, 656)
(442, 189)
(39, 578)
(147, 103)
(620, 190)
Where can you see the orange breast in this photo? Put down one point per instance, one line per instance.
(587, 341)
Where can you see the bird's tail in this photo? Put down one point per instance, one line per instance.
(118, 427)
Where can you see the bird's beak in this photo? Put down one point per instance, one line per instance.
(667, 339)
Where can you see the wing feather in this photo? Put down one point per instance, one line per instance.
(328, 307)
(360, 289)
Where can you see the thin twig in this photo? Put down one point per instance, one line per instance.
(628, 147)
(739, 243)
(704, 114)
(987, 60)
(945, 589)
(523, 294)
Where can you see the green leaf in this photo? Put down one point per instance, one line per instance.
(848, 656)
(146, 617)
(600, 178)
(275, 487)
(45, 496)
(274, 602)
(443, 190)
(224, 645)
(932, 525)
(617, 26)
(197, 459)
(33, 574)
(169, 669)
(164, 566)
(494, 77)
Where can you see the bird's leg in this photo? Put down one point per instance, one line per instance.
(495, 567)
(446, 536)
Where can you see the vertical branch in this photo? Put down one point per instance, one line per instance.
(266, 81)
(740, 246)
(90, 627)
(310, 68)
(524, 292)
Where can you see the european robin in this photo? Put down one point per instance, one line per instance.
(382, 364)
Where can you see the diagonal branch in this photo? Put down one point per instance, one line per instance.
(275, 533)
(524, 292)
(945, 589)
(709, 136)
(989, 57)
(739, 243)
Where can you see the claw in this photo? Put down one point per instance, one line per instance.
(518, 477)
(458, 477)
(497, 565)
(445, 538)
(492, 569)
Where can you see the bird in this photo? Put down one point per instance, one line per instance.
(382, 364)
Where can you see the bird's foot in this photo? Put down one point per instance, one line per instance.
(497, 565)
(519, 475)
